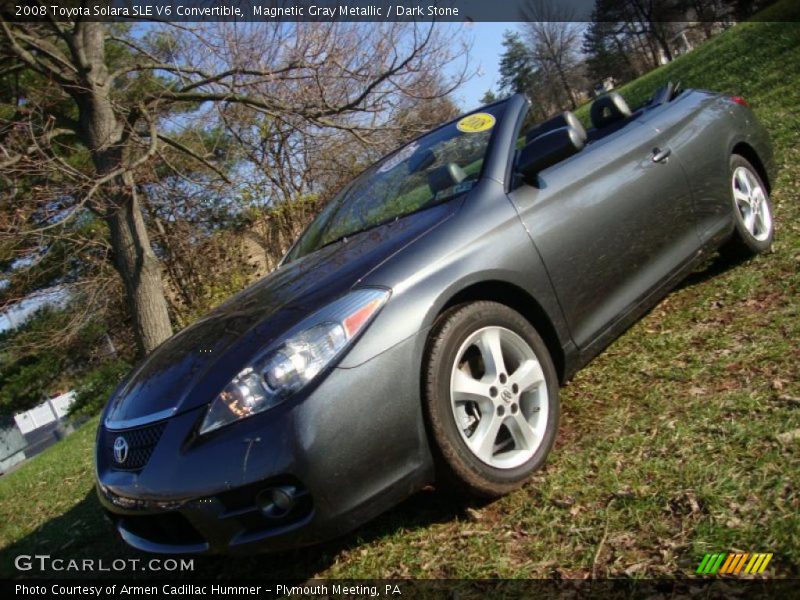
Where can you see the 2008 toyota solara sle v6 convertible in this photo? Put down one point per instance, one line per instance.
(418, 330)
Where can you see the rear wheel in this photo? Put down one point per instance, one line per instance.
(491, 398)
(752, 210)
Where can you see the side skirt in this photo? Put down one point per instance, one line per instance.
(581, 357)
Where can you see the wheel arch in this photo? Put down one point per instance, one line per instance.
(521, 301)
(749, 153)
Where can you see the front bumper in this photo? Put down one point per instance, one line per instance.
(352, 448)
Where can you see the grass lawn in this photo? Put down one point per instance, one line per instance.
(670, 443)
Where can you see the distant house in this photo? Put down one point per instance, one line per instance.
(604, 86)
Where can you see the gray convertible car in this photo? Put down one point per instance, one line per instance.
(419, 329)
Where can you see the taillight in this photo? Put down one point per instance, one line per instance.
(739, 100)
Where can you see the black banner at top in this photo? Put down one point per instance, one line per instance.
(458, 11)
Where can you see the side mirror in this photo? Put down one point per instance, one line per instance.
(548, 149)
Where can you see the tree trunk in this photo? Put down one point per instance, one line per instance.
(654, 55)
(645, 44)
(663, 44)
(567, 88)
(141, 274)
(101, 130)
(621, 51)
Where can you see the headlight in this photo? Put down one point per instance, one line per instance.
(288, 366)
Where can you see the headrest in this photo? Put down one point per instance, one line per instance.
(548, 149)
(609, 108)
(564, 119)
(445, 176)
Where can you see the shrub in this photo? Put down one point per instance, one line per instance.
(95, 387)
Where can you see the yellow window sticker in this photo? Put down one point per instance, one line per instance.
(476, 122)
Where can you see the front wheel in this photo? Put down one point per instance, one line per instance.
(491, 397)
(752, 211)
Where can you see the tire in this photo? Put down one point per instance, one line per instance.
(752, 211)
(476, 412)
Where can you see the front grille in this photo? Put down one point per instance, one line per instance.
(140, 442)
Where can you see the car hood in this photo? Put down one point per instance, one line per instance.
(191, 367)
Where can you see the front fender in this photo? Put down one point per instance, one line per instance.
(484, 242)
(749, 130)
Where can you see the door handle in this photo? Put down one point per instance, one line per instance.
(660, 155)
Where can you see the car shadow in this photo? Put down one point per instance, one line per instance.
(83, 532)
(714, 265)
(421, 510)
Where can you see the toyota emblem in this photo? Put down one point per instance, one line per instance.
(120, 450)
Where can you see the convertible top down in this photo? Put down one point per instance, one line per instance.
(419, 329)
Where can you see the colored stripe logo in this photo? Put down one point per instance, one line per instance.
(741, 563)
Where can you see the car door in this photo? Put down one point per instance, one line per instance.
(697, 136)
(610, 223)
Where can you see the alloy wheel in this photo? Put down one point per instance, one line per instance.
(499, 398)
(751, 203)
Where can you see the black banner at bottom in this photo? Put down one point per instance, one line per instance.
(330, 589)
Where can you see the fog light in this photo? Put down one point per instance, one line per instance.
(276, 502)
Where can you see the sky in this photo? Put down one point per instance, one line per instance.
(487, 46)
(18, 313)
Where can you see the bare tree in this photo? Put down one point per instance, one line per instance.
(97, 105)
(555, 43)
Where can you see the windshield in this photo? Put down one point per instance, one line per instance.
(436, 167)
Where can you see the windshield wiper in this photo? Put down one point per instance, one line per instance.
(349, 234)
(341, 238)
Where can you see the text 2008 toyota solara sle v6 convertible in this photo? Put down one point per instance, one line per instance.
(419, 328)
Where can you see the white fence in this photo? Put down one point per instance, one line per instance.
(34, 430)
(45, 413)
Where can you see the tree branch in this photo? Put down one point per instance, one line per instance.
(188, 151)
(49, 70)
(47, 138)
